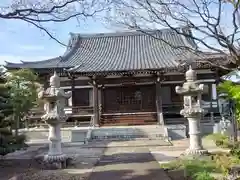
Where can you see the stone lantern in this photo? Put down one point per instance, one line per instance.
(192, 92)
(224, 109)
(54, 102)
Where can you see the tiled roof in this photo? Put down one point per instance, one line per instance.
(114, 52)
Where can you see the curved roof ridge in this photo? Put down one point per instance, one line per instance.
(41, 61)
(72, 42)
(189, 42)
(121, 33)
(73, 45)
(11, 63)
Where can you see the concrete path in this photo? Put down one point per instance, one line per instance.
(128, 163)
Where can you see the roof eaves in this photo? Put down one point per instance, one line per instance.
(121, 72)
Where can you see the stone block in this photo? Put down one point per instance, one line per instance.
(216, 128)
(207, 128)
(176, 131)
(78, 135)
(235, 171)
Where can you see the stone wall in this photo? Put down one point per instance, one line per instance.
(40, 135)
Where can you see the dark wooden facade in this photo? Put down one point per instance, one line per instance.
(134, 100)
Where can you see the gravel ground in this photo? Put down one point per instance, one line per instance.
(23, 166)
(31, 170)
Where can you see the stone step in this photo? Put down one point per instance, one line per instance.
(148, 132)
(130, 137)
(104, 133)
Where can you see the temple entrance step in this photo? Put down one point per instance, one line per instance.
(129, 119)
(183, 121)
(128, 133)
(175, 121)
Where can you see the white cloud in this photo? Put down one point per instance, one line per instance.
(32, 47)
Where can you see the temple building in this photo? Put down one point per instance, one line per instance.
(129, 78)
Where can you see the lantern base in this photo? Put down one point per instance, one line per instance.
(195, 152)
(57, 161)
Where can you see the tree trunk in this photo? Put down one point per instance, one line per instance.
(16, 119)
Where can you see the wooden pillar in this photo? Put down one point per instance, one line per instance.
(217, 82)
(46, 81)
(100, 102)
(73, 90)
(159, 100)
(95, 103)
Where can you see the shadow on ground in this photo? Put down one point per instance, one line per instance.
(137, 164)
(151, 174)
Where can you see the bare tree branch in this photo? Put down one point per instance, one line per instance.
(215, 24)
(40, 12)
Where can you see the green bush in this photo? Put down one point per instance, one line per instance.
(221, 140)
(173, 165)
(6, 150)
(224, 142)
(222, 162)
(10, 143)
(5, 132)
(200, 169)
(235, 150)
(20, 139)
(195, 166)
(203, 176)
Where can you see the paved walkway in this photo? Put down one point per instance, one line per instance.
(120, 161)
(128, 163)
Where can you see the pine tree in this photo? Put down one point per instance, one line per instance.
(5, 112)
(5, 107)
(8, 142)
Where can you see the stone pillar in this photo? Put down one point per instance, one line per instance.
(70, 102)
(195, 145)
(214, 92)
(192, 92)
(159, 101)
(55, 148)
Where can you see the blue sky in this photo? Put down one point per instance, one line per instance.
(21, 41)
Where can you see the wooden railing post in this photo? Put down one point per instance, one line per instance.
(95, 103)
